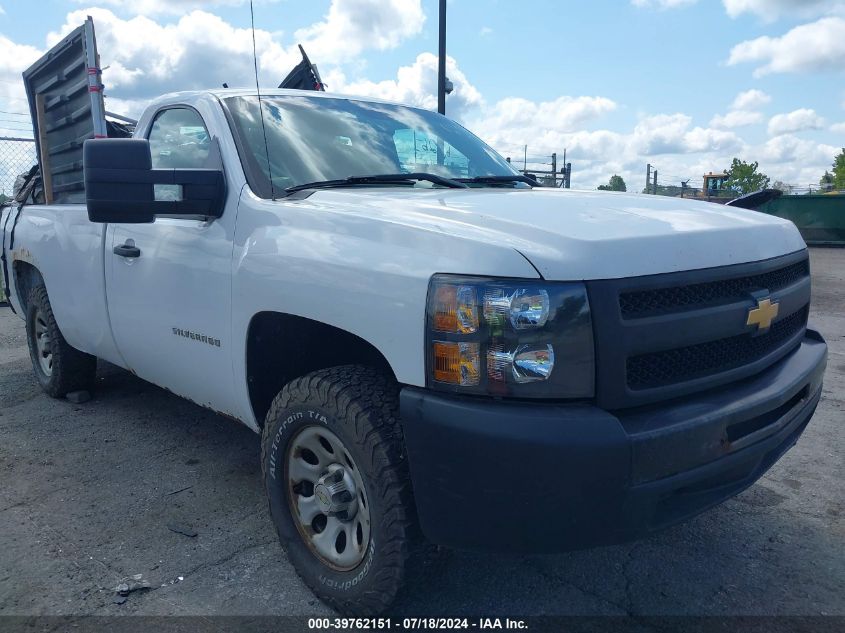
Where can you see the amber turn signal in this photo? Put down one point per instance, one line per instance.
(455, 309)
(456, 363)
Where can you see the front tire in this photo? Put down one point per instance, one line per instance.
(59, 368)
(337, 481)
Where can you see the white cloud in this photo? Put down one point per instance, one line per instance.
(14, 60)
(415, 85)
(736, 118)
(132, 108)
(819, 45)
(485, 31)
(770, 10)
(548, 126)
(351, 26)
(795, 121)
(789, 156)
(742, 111)
(672, 134)
(200, 50)
(663, 4)
(598, 145)
(701, 140)
(175, 7)
(838, 128)
(750, 99)
(672, 140)
(15, 158)
(661, 134)
(564, 114)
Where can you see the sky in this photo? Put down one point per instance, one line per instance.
(684, 85)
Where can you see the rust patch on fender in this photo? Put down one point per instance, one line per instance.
(23, 255)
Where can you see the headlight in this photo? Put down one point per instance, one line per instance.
(520, 338)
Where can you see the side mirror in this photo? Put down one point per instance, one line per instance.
(120, 184)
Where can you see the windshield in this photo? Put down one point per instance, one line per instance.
(314, 139)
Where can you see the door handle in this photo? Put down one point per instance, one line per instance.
(128, 249)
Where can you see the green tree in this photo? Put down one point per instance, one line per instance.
(839, 170)
(745, 178)
(826, 181)
(616, 183)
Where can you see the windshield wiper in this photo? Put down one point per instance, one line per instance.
(379, 179)
(501, 179)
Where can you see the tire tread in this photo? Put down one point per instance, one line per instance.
(370, 401)
(73, 370)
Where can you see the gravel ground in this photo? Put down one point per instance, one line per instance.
(88, 492)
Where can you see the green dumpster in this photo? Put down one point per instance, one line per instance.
(820, 218)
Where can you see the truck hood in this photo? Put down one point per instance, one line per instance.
(580, 235)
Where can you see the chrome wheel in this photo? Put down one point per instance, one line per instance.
(43, 344)
(328, 498)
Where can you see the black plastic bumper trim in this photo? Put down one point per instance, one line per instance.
(532, 477)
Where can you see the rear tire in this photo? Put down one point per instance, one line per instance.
(59, 368)
(353, 488)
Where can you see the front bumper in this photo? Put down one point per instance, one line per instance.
(536, 477)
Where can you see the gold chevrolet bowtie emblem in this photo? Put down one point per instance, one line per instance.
(763, 315)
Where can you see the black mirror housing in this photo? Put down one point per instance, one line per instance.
(120, 184)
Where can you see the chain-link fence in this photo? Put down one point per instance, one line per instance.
(17, 156)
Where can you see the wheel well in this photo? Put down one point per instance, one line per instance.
(281, 347)
(27, 277)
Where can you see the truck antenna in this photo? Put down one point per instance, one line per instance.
(260, 108)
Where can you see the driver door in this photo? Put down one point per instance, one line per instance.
(169, 282)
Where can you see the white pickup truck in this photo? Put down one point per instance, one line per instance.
(429, 345)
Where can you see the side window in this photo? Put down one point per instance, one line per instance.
(179, 140)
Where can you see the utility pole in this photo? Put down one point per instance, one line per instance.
(441, 62)
(655, 182)
(647, 177)
(565, 171)
(554, 169)
(525, 159)
(568, 181)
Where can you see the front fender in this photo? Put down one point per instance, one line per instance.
(366, 275)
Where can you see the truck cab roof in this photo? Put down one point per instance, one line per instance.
(191, 96)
